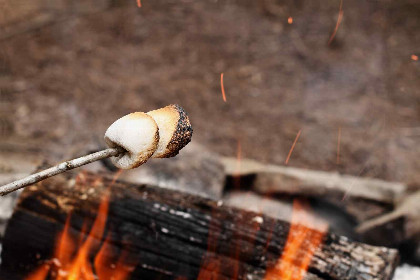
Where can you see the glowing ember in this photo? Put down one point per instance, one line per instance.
(139, 3)
(305, 236)
(340, 17)
(293, 147)
(414, 57)
(223, 88)
(338, 145)
(290, 20)
(69, 264)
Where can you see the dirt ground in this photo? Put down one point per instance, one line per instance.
(62, 85)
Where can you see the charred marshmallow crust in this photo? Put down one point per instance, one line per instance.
(182, 135)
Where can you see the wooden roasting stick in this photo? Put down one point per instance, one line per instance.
(59, 168)
(174, 235)
(132, 140)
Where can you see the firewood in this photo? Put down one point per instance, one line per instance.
(173, 235)
(363, 198)
(401, 226)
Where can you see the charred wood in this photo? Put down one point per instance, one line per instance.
(172, 234)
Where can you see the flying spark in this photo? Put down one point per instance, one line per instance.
(292, 148)
(139, 3)
(290, 20)
(223, 88)
(414, 57)
(340, 17)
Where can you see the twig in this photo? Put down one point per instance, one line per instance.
(59, 168)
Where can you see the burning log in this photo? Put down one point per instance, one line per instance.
(165, 234)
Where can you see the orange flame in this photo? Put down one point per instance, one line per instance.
(305, 236)
(40, 274)
(105, 265)
(68, 264)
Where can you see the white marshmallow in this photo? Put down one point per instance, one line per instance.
(138, 134)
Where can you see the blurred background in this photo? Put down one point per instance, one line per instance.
(346, 77)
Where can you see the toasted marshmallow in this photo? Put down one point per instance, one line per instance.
(137, 134)
(175, 130)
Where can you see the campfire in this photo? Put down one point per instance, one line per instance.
(304, 163)
(88, 226)
(72, 254)
(305, 234)
(71, 258)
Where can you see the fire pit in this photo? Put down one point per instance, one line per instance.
(87, 225)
